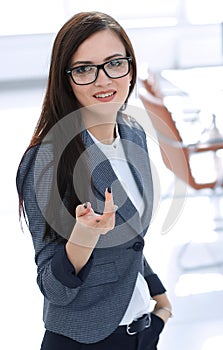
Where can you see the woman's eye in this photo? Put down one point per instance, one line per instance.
(83, 69)
(115, 63)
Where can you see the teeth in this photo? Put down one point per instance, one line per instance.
(104, 95)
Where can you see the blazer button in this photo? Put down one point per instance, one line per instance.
(137, 246)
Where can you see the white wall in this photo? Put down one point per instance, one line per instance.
(27, 57)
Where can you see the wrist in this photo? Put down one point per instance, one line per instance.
(83, 235)
(164, 311)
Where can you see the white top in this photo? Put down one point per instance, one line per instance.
(140, 300)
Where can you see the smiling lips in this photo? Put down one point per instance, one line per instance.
(105, 96)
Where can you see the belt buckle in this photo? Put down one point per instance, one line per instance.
(128, 330)
(149, 322)
(147, 325)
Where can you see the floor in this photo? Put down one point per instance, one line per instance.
(184, 246)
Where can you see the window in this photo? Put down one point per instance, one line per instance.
(30, 17)
(125, 10)
(41, 16)
(203, 12)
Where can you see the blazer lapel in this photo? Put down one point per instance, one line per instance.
(134, 142)
(102, 176)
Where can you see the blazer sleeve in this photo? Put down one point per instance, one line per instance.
(56, 276)
(154, 284)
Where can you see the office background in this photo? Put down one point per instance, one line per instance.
(166, 34)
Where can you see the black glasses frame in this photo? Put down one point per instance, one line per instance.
(99, 66)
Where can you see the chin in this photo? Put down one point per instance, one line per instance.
(104, 109)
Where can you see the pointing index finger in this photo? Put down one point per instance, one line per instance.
(108, 194)
(109, 203)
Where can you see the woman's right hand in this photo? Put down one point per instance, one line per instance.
(89, 225)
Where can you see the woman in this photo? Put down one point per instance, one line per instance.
(85, 188)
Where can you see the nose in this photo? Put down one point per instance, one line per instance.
(102, 78)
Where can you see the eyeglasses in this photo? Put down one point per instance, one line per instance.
(87, 74)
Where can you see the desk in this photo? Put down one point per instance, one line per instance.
(206, 79)
(204, 85)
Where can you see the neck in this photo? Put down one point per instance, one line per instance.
(101, 122)
(105, 133)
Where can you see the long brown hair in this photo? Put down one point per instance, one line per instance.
(59, 99)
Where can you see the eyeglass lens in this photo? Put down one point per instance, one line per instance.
(87, 74)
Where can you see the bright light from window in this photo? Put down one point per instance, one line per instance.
(213, 343)
(121, 9)
(33, 17)
(189, 284)
(30, 17)
(200, 11)
(40, 16)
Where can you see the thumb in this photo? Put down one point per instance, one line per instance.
(83, 209)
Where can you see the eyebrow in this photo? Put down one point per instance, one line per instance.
(105, 60)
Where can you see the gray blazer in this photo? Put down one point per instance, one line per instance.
(89, 306)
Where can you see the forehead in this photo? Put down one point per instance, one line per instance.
(99, 46)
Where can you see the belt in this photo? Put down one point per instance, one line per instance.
(136, 326)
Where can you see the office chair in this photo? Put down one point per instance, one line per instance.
(176, 155)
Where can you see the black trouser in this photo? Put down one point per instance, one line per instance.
(145, 340)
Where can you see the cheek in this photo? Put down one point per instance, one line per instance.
(80, 93)
(125, 88)
(75, 90)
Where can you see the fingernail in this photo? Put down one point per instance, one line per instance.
(85, 205)
(109, 189)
